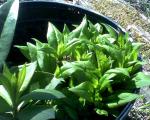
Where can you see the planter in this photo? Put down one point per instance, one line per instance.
(32, 23)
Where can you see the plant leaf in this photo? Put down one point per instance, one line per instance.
(141, 80)
(24, 50)
(46, 62)
(21, 76)
(54, 83)
(53, 36)
(66, 30)
(104, 82)
(43, 94)
(122, 71)
(32, 52)
(83, 90)
(36, 113)
(5, 96)
(110, 30)
(8, 16)
(29, 73)
(120, 99)
(82, 29)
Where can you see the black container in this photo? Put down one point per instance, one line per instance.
(33, 20)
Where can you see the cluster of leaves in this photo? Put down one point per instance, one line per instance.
(95, 67)
(85, 73)
(19, 101)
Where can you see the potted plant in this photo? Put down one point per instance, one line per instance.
(14, 82)
(84, 72)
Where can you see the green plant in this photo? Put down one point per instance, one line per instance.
(18, 100)
(85, 73)
(96, 68)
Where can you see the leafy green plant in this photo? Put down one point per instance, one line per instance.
(18, 99)
(96, 68)
(15, 97)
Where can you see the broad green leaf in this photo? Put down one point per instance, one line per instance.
(68, 69)
(99, 27)
(103, 62)
(24, 50)
(9, 80)
(81, 29)
(14, 91)
(54, 36)
(46, 62)
(30, 69)
(86, 65)
(32, 52)
(122, 71)
(141, 80)
(137, 46)
(114, 53)
(43, 94)
(75, 42)
(36, 113)
(104, 82)
(72, 45)
(106, 39)
(121, 40)
(94, 30)
(4, 11)
(47, 49)
(137, 67)
(6, 83)
(21, 76)
(66, 30)
(39, 44)
(5, 96)
(54, 83)
(83, 90)
(134, 50)
(120, 99)
(40, 80)
(8, 16)
(110, 30)
(80, 67)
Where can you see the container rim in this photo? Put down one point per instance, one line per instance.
(54, 4)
